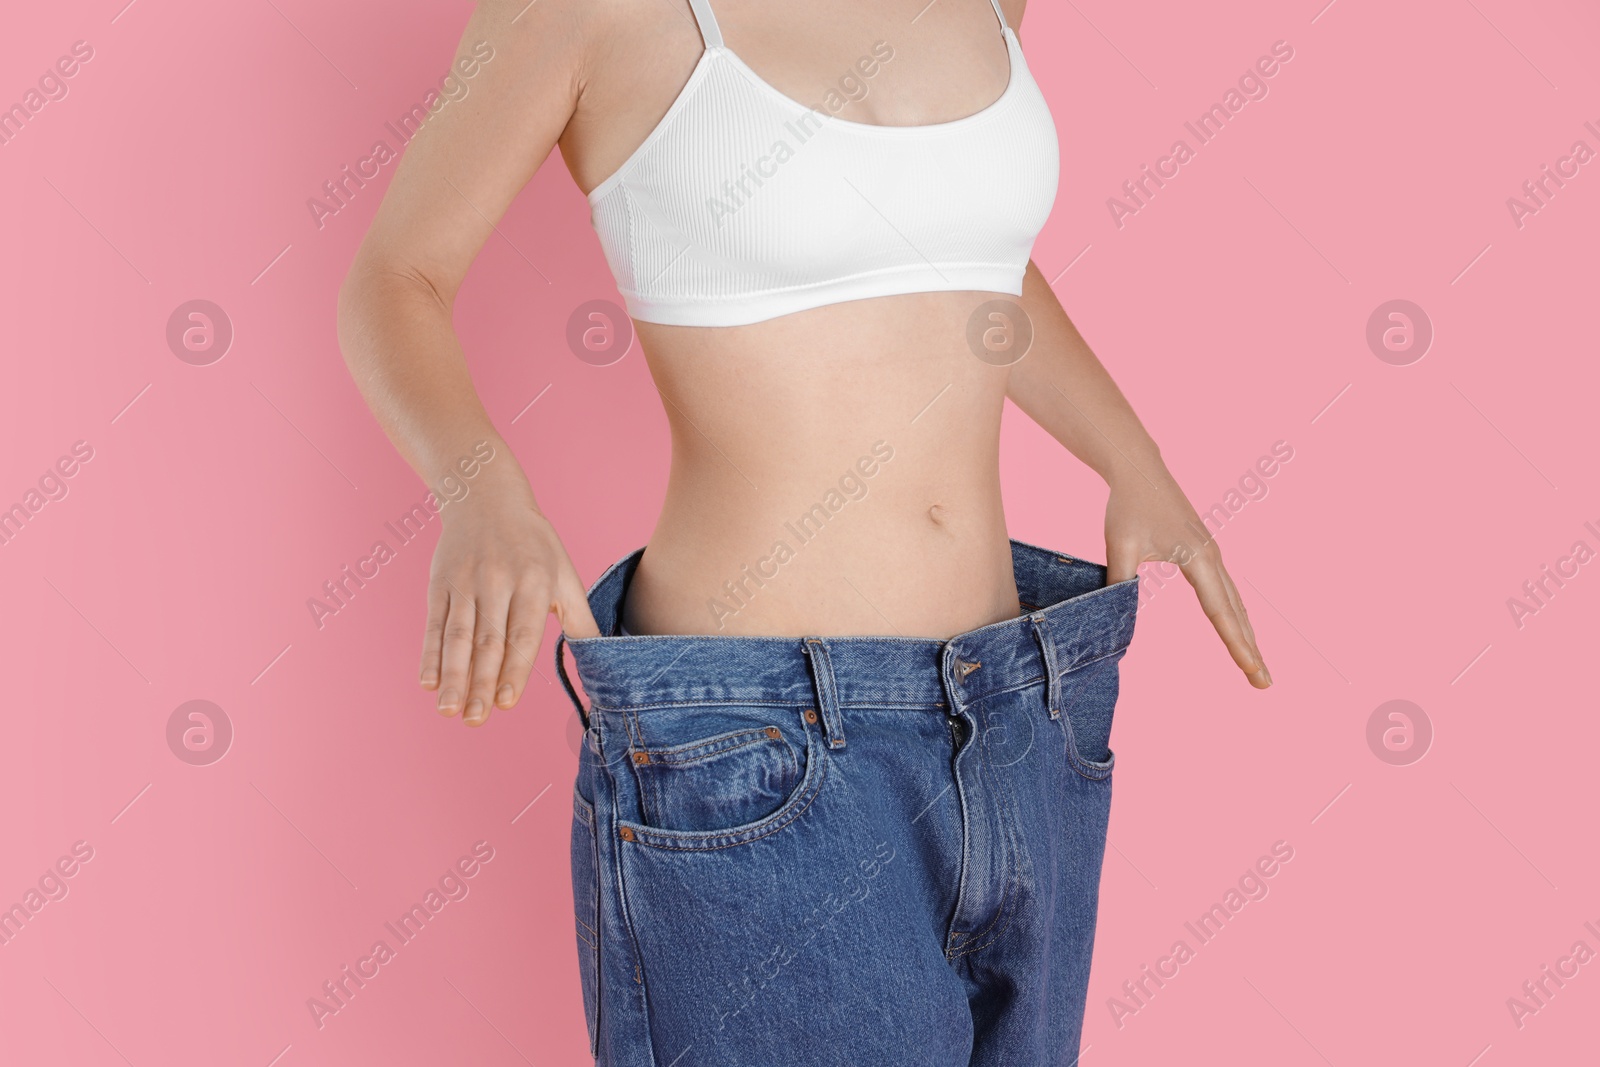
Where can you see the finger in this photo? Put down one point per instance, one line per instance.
(1122, 562)
(488, 651)
(456, 656)
(433, 635)
(1206, 574)
(572, 608)
(524, 630)
(1244, 613)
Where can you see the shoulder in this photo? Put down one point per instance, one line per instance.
(1014, 10)
(590, 36)
(542, 44)
(572, 28)
(586, 21)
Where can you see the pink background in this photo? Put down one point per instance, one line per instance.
(1232, 309)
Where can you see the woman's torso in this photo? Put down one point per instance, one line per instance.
(834, 470)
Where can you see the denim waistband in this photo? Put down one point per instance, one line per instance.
(1071, 617)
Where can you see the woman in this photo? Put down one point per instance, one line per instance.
(845, 784)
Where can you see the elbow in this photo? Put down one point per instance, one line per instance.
(362, 288)
(352, 308)
(374, 292)
(373, 280)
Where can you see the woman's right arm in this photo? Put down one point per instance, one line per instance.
(499, 569)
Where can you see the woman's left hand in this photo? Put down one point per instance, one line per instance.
(1148, 519)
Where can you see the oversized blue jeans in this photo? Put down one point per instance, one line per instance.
(862, 851)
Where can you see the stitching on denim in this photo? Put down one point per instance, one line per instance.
(1094, 771)
(786, 758)
(640, 989)
(631, 730)
(587, 898)
(774, 642)
(763, 738)
(1005, 895)
(987, 693)
(1012, 688)
(1089, 769)
(1091, 662)
(669, 705)
(629, 725)
(891, 705)
(1011, 885)
(758, 830)
(888, 705)
(634, 709)
(819, 657)
(743, 840)
(649, 796)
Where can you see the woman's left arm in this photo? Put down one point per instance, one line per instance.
(1063, 387)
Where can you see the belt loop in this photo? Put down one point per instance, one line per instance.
(947, 678)
(1047, 648)
(561, 669)
(816, 650)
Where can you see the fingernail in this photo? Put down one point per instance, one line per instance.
(1265, 674)
(506, 694)
(474, 708)
(447, 701)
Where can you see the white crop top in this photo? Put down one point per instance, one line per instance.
(743, 204)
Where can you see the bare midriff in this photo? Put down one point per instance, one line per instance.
(773, 423)
(834, 471)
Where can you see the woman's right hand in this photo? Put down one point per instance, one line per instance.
(499, 570)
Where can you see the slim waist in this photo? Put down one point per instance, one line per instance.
(1071, 618)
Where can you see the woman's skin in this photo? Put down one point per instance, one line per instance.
(765, 418)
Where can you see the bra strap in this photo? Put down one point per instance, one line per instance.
(710, 32)
(998, 12)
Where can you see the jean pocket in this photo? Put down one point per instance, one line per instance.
(586, 904)
(1087, 700)
(740, 773)
(711, 776)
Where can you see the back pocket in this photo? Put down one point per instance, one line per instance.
(717, 781)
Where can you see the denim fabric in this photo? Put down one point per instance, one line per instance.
(863, 851)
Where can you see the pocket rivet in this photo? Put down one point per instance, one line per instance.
(811, 715)
(641, 757)
(774, 733)
(626, 833)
